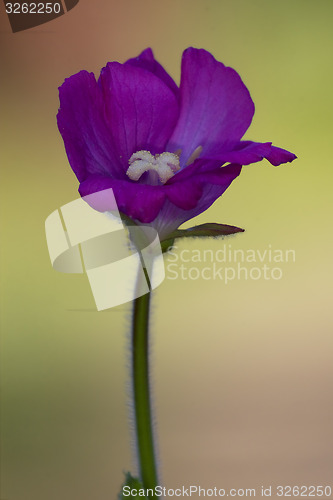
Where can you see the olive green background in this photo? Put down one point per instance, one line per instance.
(242, 373)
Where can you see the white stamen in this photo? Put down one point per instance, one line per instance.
(165, 165)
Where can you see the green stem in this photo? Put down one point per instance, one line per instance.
(141, 392)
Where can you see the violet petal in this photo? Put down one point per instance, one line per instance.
(140, 108)
(213, 186)
(138, 201)
(147, 61)
(87, 138)
(246, 152)
(215, 106)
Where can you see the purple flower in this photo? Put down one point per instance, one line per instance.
(159, 147)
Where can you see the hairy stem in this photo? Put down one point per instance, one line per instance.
(141, 392)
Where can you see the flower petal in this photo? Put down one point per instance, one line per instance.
(246, 152)
(213, 184)
(184, 194)
(215, 106)
(147, 61)
(277, 156)
(138, 201)
(141, 110)
(81, 122)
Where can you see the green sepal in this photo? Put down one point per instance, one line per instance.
(127, 220)
(167, 244)
(210, 229)
(133, 483)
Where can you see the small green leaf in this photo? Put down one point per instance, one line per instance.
(133, 484)
(202, 231)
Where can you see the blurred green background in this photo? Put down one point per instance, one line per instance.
(242, 372)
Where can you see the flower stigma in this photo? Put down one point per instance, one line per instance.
(164, 164)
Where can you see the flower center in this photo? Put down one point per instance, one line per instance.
(164, 164)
